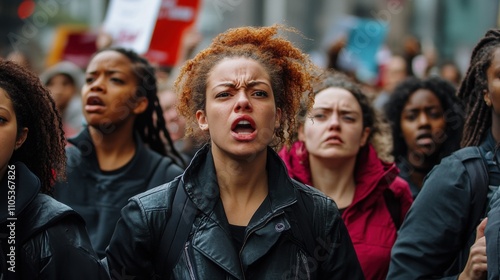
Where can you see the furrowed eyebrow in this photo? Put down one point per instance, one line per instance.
(254, 83)
(229, 85)
(108, 72)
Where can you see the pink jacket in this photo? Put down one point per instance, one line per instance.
(367, 219)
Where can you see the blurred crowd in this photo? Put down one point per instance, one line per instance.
(382, 148)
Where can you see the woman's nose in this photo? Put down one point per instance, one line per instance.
(334, 122)
(423, 119)
(97, 85)
(242, 102)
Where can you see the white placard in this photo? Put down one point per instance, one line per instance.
(131, 23)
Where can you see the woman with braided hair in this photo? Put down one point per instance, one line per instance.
(121, 152)
(442, 235)
(40, 238)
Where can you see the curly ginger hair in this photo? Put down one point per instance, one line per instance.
(291, 72)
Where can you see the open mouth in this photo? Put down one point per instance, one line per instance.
(243, 126)
(424, 139)
(94, 101)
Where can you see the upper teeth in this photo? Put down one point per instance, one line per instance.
(243, 122)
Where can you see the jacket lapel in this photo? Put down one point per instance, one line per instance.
(262, 238)
(212, 240)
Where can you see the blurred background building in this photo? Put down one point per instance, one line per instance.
(449, 28)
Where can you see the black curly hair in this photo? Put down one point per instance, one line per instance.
(43, 151)
(472, 88)
(149, 130)
(452, 108)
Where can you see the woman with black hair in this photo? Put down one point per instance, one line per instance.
(438, 238)
(121, 153)
(426, 120)
(40, 238)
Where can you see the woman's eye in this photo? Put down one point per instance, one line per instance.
(318, 116)
(118, 81)
(89, 80)
(2, 120)
(222, 94)
(410, 117)
(349, 118)
(436, 114)
(261, 93)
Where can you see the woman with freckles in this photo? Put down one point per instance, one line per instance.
(242, 92)
(340, 145)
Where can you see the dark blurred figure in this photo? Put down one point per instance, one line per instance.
(427, 121)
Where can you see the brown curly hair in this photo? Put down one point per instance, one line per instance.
(290, 70)
(43, 151)
(380, 134)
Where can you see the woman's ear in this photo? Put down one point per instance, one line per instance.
(140, 105)
(21, 138)
(277, 121)
(486, 97)
(364, 137)
(302, 136)
(202, 120)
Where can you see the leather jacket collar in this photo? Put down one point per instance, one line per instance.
(201, 185)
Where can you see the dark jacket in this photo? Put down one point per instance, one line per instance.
(492, 235)
(98, 196)
(436, 229)
(367, 219)
(405, 173)
(49, 239)
(268, 251)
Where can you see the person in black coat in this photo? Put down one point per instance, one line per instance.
(40, 237)
(121, 152)
(442, 237)
(243, 93)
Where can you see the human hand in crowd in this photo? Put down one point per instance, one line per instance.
(476, 267)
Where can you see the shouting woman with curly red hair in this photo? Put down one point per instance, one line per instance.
(251, 220)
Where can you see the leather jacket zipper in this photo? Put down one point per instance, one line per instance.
(188, 261)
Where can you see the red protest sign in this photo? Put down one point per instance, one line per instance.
(174, 19)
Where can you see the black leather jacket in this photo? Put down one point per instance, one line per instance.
(209, 253)
(99, 196)
(50, 239)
